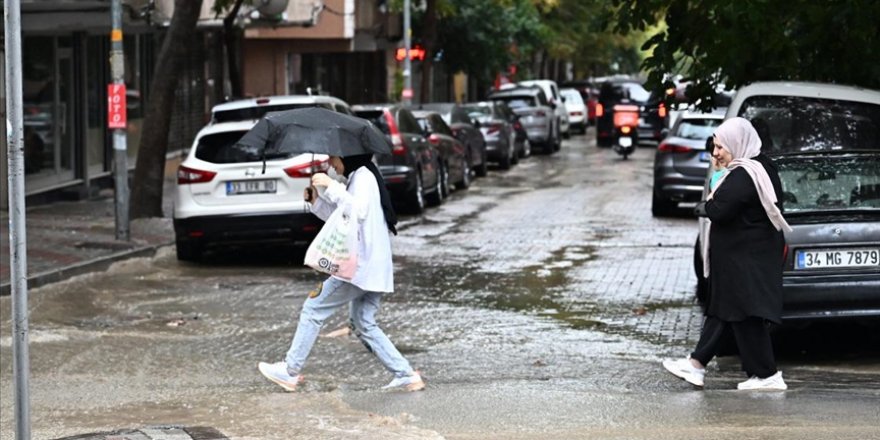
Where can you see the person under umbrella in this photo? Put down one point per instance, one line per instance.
(742, 257)
(370, 205)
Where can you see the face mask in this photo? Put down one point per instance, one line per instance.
(336, 176)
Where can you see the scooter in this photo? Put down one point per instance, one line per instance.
(626, 123)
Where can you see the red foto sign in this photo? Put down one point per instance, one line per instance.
(116, 117)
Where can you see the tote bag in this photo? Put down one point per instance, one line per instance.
(334, 249)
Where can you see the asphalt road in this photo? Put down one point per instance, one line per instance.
(538, 304)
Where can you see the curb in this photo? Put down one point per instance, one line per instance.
(94, 265)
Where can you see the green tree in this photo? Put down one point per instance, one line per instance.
(718, 42)
(146, 190)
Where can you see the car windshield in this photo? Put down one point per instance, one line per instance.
(697, 129)
(571, 96)
(830, 183)
(222, 148)
(251, 113)
(516, 102)
(481, 113)
(790, 124)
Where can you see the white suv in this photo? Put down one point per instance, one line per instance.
(552, 91)
(228, 195)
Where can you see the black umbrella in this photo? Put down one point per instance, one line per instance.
(314, 130)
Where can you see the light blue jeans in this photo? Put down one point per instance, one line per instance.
(364, 305)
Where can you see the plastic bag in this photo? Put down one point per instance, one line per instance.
(334, 249)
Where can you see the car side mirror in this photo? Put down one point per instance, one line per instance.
(476, 123)
(563, 99)
(664, 133)
(710, 144)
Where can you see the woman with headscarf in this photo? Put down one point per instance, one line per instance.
(742, 257)
(370, 205)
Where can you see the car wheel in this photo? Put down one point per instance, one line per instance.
(660, 206)
(435, 198)
(188, 250)
(417, 196)
(505, 162)
(465, 182)
(527, 148)
(483, 169)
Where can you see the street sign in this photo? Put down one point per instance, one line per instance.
(116, 117)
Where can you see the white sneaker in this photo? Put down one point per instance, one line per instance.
(772, 383)
(277, 373)
(412, 382)
(684, 369)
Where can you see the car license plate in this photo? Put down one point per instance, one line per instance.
(822, 258)
(624, 141)
(704, 156)
(240, 187)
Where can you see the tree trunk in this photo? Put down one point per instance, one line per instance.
(146, 191)
(230, 37)
(428, 41)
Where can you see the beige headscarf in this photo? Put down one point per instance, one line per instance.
(738, 136)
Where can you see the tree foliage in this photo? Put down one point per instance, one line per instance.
(721, 43)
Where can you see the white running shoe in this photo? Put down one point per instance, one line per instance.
(412, 382)
(772, 383)
(277, 373)
(684, 369)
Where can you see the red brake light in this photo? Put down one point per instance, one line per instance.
(262, 101)
(308, 168)
(600, 110)
(672, 148)
(784, 253)
(434, 139)
(398, 148)
(187, 175)
(541, 113)
(661, 111)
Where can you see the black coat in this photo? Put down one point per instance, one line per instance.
(745, 250)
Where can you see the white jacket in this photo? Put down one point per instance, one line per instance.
(375, 272)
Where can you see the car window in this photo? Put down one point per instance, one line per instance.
(438, 125)
(518, 101)
(791, 124)
(377, 117)
(460, 116)
(407, 123)
(698, 129)
(481, 113)
(637, 92)
(572, 96)
(830, 183)
(222, 148)
(250, 113)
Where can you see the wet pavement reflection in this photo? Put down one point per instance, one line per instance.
(538, 304)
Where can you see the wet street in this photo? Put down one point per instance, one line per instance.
(538, 304)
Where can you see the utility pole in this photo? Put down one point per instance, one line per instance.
(116, 120)
(17, 235)
(407, 63)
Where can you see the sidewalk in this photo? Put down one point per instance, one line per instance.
(66, 239)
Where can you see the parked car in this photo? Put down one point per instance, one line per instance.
(465, 129)
(496, 121)
(589, 94)
(681, 161)
(576, 108)
(227, 196)
(551, 89)
(824, 140)
(454, 167)
(535, 114)
(624, 91)
(412, 172)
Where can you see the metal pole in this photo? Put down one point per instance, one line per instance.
(120, 154)
(407, 64)
(17, 235)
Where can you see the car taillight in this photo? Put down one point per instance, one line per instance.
(434, 139)
(784, 253)
(518, 125)
(672, 148)
(661, 111)
(308, 168)
(625, 129)
(494, 128)
(398, 147)
(540, 113)
(187, 175)
(600, 110)
(576, 113)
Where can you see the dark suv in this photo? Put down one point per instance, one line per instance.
(412, 170)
